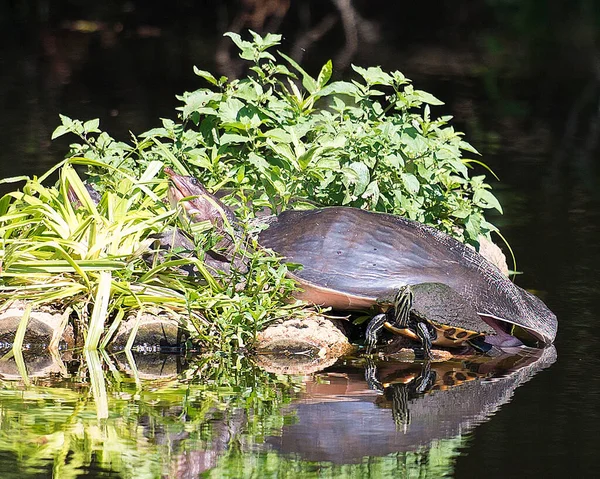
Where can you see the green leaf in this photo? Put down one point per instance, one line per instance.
(340, 88)
(324, 74)
(486, 199)
(279, 135)
(411, 183)
(247, 49)
(395, 161)
(229, 110)
(480, 163)
(468, 147)
(268, 41)
(91, 126)
(372, 191)
(66, 121)
(259, 162)
(237, 39)
(305, 159)
(360, 178)
(60, 130)
(308, 82)
(227, 138)
(461, 213)
(473, 225)
(207, 76)
(427, 97)
(196, 101)
(374, 75)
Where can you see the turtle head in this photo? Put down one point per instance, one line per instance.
(198, 202)
(402, 304)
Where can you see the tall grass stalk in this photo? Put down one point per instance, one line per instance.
(99, 312)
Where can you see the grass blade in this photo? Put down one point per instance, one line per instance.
(134, 331)
(18, 344)
(96, 326)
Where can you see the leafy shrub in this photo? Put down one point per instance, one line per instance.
(369, 143)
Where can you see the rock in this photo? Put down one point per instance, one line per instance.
(157, 330)
(493, 254)
(301, 345)
(44, 326)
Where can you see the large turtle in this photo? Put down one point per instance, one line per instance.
(354, 259)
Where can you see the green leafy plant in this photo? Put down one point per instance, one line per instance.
(283, 135)
(369, 143)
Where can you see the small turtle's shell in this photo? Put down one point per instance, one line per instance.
(454, 320)
(438, 303)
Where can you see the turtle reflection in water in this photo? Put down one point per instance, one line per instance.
(408, 383)
(354, 260)
(338, 419)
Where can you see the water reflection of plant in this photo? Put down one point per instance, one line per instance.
(434, 460)
(150, 425)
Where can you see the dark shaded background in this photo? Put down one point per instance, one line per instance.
(521, 77)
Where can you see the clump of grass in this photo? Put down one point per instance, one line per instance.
(59, 246)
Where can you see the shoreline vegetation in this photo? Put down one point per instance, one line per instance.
(277, 138)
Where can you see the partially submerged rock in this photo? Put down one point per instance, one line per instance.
(46, 326)
(155, 331)
(302, 345)
(323, 336)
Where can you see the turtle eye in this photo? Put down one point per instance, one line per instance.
(195, 181)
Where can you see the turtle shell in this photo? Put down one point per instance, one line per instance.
(352, 258)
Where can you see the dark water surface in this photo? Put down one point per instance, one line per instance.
(527, 416)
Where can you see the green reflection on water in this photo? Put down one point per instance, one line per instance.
(435, 460)
(167, 416)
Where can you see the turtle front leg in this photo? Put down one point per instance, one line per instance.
(402, 306)
(373, 330)
(425, 337)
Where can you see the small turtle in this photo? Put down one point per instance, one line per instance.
(430, 313)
